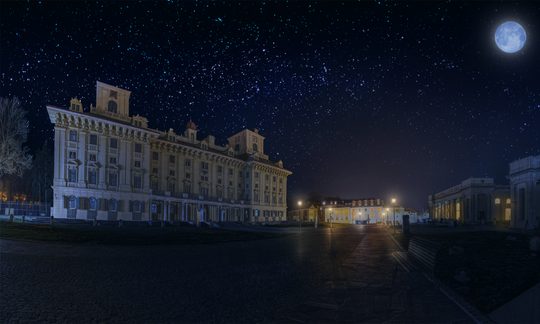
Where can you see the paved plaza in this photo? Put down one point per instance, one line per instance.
(345, 274)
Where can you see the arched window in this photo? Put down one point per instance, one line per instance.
(72, 202)
(93, 203)
(255, 147)
(113, 205)
(112, 106)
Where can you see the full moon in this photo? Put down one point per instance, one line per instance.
(510, 37)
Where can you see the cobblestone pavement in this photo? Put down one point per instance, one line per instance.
(340, 275)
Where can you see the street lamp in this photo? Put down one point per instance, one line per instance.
(300, 212)
(393, 200)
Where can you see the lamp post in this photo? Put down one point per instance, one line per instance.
(331, 216)
(393, 200)
(300, 213)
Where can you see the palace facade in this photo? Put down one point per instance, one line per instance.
(475, 200)
(109, 165)
(524, 178)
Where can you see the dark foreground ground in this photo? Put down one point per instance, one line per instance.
(342, 275)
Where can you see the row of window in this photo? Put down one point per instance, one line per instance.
(112, 205)
(93, 140)
(93, 175)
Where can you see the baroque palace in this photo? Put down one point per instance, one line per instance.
(109, 165)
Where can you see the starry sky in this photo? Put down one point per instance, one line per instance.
(359, 99)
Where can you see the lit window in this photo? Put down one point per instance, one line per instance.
(497, 201)
(508, 201)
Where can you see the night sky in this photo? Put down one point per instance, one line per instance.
(358, 99)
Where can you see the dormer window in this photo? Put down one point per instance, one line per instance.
(112, 107)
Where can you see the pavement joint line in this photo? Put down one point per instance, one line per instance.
(469, 309)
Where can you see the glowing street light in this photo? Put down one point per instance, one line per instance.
(394, 201)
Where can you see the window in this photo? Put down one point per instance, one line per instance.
(113, 205)
(155, 170)
(219, 169)
(237, 147)
(137, 163)
(92, 157)
(508, 201)
(113, 143)
(73, 135)
(72, 174)
(231, 172)
(137, 181)
(187, 187)
(204, 191)
(171, 159)
(204, 165)
(112, 107)
(72, 155)
(138, 148)
(172, 173)
(256, 175)
(113, 94)
(113, 179)
(497, 201)
(112, 159)
(137, 206)
(93, 139)
(155, 156)
(154, 184)
(92, 176)
(92, 203)
(72, 202)
(171, 187)
(187, 163)
(255, 147)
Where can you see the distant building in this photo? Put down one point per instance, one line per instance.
(109, 165)
(475, 200)
(365, 211)
(524, 177)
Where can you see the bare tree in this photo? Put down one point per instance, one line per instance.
(14, 158)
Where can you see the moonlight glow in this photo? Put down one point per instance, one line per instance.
(510, 37)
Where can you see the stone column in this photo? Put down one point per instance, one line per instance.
(81, 156)
(102, 159)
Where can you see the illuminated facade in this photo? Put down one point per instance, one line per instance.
(475, 200)
(525, 189)
(365, 211)
(109, 165)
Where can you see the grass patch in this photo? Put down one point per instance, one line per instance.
(128, 236)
